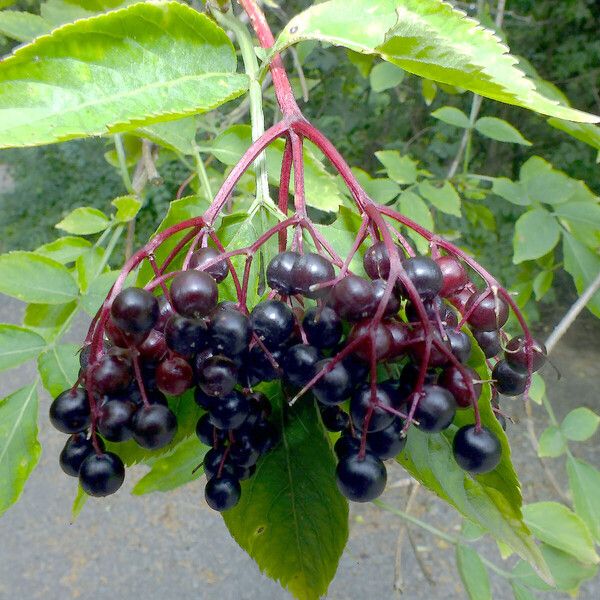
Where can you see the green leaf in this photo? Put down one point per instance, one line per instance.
(291, 518)
(32, 278)
(583, 266)
(178, 135)
(22, 26)
(545, 184)
(580, 424)
(98, 289)
(413, 207)
(537, 390)
(568, 573)
(382, 189)
(452, 116)
(588, 134)
(65, 249)
(88, 267)
(472, 571)
(428, 38)
(59, 368)
(78, 503)
(118, 71)
(18, 345)
(584, 481)
(520, 591)
(401, 169)
(557, 526)
(84, 221)
(445, 198)
(542, 283)
(582, 220)
(321, 189)
(513, 191)
(19, 446)
(127, 208)
(428, 91)
(384, 76)
(551, 443)
(536, 233)
(48, 319)
(174, 470)
(498, 129)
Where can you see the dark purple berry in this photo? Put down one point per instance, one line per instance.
(509, 381)
(218, 270)
(70, 411)
(101, 474)
(435, 410)
(361, 480)
(194, 294)
(476, 451)
(135, 310)
(309, 270)
(323, 327)
(154, 426)
(279, 272)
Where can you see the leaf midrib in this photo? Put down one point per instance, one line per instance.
(18, 420)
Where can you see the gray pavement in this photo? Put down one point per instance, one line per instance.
(164, 546)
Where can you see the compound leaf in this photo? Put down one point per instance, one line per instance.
(17, 345)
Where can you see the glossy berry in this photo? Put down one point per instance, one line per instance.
(154, 426)
(258, 367)
(388, 442)
(101, 474)
(393, 304)
(334, 418)
(460, 344)
(437, 357)
(454, 275)
(218, 459)
(516, 355)
(323, 327)
(185, 336)
(361, 480)
(509, 381)
(352, 298)
(311, 269)
(218, 271)
(218, 376)
(298, 364)
(243, 454)
(376, 336)
(425, 275)
(335, 385)
(135, 310)
(222, 493)
(194, 294)
(165, 312)
(75, 451)
(435, 410)
(360, 403)
(207, 433)
(230, 411)
(112, 373)
(453, 380)
(114, 420)
(70, 411)
(489, 313)
(229, 331)
(476, 451)
(154, 347)
(120, 338)
(488, 341)
(376, 261)
(273, 322)
(174, 376)
(279, 272)
(400, 335)
(265, 437)
(346, 446)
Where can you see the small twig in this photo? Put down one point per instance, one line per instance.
(300, 73)
(148, 162)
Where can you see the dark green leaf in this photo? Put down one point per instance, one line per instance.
(65, 249)
(452, 116)
(18, 345)
(580, 424)
(59, 368)
(583, 266)
(115, 72)
(536, 233)
(498, 129)
(32, 278)
(291, 518)
(557, 526)
(175, 469)
(584, 481)
(473, 573)
(84, 221)
(19, 446)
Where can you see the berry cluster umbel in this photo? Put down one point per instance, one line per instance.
(378, 353)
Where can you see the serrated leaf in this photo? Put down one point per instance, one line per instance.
(580, 424)
(472, 571)
(401, 169)
(584, 481)
(413, 207)
(22, 26)
(445, 198)
(18, 345)
(59, 367)
(557, 526)
(118, 71)
(127, 208)
(428, 38)
(551, 443)
(321, 189)
(384, 76)
(32, 278)
(84, 221)
(583, 266)
(291, 518)
(65, 249)
(19, 446)
(536, 234)
(174, 470)
(513, 191)
(498, 129)
(542, 284)
(380, 189)
(48, 319)
(452, 116)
